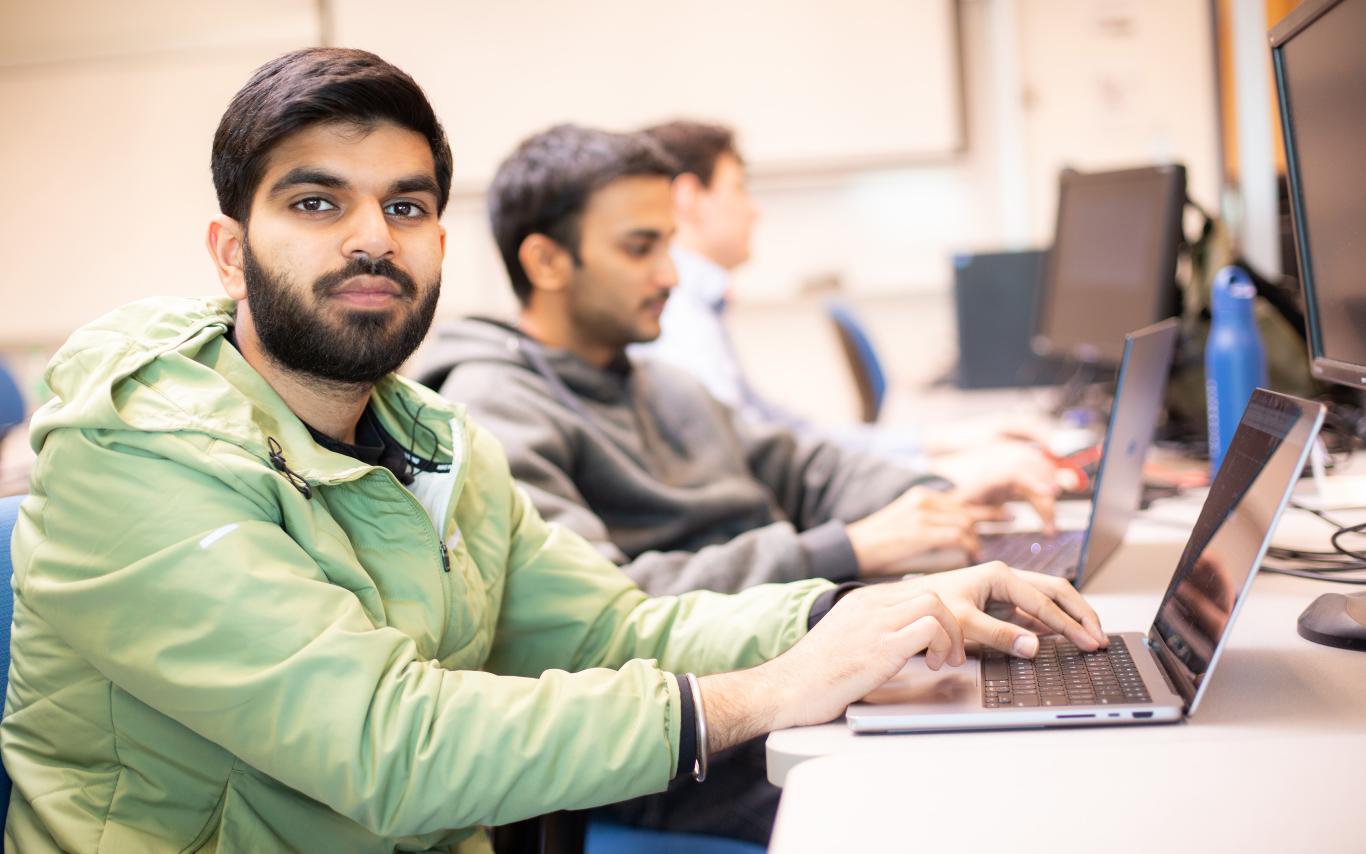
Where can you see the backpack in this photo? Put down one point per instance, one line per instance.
(1280, 321)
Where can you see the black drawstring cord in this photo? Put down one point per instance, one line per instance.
(277, 459)
(420, 463)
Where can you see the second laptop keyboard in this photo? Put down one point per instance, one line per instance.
(1058, 554)
(1062, 675)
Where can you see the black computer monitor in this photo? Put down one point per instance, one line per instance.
(1320, 67)
(1112, 267)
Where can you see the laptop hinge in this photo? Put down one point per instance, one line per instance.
(1156, 650)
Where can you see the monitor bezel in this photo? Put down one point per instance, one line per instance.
(1323, 367)
(1167, 298)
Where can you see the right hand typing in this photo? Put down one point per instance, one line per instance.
(872, 632)
(866, 639)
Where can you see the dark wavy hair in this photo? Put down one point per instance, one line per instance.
(308, 87)
(695, 145)
(543, 187)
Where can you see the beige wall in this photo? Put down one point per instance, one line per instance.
(83, 80)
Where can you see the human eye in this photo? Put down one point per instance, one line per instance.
(313, 204)
(405, 209)
(639, 248)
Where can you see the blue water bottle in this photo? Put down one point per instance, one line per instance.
(1235, 361)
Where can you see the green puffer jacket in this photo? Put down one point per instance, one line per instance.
(210, 654)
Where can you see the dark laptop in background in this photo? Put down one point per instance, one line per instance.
(1077, 555)
(1152, 678)
(996, 295)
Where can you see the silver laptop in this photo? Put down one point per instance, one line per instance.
(1150, 678)
(1076, 555)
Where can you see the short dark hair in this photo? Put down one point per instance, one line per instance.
(543, 187)
(695, 145)
(308, 87)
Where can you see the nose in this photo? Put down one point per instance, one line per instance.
(666, 273)
(370, 234)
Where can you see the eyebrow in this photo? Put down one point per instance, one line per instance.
(415, 184)
(652, 233)
(308, 175)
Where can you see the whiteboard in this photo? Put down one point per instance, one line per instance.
(809, 86)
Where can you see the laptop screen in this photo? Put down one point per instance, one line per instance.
(1254, 482)
(1138, 400)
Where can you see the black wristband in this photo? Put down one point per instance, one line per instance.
(687, 733)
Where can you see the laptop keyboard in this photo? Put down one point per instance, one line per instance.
(1055, 555)
(1062, 675)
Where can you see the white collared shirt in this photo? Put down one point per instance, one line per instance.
(694, 337)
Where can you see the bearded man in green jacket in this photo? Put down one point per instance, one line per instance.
(270, 596)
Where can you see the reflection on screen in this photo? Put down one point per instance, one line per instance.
(1264, 459)
(1323, 68)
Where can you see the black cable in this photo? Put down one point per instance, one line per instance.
(1313, 575)
(1322, 565)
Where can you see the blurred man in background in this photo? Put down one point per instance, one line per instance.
(637, 457)
(715, 216)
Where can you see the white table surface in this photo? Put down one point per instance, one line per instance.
(1274, 759)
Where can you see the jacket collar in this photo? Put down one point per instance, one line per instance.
(162, 366)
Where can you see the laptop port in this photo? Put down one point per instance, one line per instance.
(1143, 714)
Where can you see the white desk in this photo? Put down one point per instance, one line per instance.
(1273, 760)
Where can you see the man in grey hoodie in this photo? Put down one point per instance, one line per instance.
(637, 457)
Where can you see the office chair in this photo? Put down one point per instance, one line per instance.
(864, 364)
(11, 402)
(575, 833)
(9, 512)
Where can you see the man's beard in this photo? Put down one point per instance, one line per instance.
(358, 349)
(601, 321)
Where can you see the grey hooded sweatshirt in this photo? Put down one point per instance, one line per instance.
(662, 478)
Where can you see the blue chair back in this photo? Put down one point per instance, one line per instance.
(11, 402)
(605, 837)
(9, 513)
(863, 360)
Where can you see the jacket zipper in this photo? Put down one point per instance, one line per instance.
(445, 553)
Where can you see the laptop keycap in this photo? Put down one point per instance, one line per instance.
(1062, 675)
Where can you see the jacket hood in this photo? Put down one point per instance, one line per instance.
(479, 339)
(165, 365)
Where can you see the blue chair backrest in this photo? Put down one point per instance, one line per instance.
(11, 402)
(603, 837)
(9, 513)
(860, 348)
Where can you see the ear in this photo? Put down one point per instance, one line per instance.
(548, 265)
(687, 189)
(225, 242)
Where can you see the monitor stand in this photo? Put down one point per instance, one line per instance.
(1339, 492)
(1335, 620)
(1074, 392)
